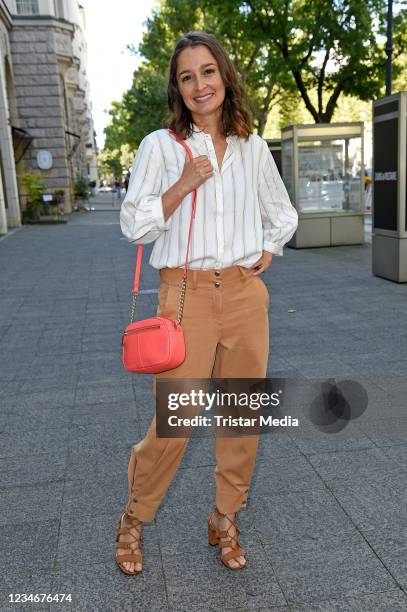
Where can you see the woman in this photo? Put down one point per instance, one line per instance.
(243, 217)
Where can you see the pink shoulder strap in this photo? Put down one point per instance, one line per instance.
(139, 257)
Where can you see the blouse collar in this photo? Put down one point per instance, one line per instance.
(200, 134)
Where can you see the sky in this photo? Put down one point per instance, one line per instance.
(110, 26)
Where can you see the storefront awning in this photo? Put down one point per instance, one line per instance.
(21, 141)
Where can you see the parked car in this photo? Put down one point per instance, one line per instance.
(104, 189)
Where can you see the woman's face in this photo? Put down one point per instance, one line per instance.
(199, 81)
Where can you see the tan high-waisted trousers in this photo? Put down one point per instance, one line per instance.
(226, 331)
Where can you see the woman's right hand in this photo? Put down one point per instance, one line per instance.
(195, 172)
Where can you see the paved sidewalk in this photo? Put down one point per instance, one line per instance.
(327, 523)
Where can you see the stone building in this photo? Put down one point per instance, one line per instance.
(48, 51)
(10, 215)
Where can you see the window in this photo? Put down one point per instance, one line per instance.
(27, 7)
(59, 8)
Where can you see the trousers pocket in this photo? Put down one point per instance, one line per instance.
(168, 300)
(264, 289)
(162, 297)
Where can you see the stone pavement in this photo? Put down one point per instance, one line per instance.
(326, 525)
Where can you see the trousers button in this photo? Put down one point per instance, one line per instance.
(217, 273)
(217, 285)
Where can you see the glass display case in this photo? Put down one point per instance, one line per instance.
(322, 171)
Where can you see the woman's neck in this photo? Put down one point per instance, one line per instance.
(212, 124)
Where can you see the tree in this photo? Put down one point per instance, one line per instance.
(126, 157)
(261, 70)
(330, 46)
(109, 163)
(142, 109)
(285, 51)
(115, 131)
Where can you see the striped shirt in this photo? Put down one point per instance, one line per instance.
(242, 209)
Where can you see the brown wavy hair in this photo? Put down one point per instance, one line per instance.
(236, 118)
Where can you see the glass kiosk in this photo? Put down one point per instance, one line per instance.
(322, 168)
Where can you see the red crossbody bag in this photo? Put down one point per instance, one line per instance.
(156, 344)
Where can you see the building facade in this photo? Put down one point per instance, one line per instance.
(49, 55)
(10, 215)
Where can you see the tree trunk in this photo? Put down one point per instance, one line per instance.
(262, 120)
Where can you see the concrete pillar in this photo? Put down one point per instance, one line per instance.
(10, 215)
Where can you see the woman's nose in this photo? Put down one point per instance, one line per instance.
(199, 84)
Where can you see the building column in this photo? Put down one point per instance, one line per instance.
(10, 215)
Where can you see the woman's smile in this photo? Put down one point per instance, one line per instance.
(204, 98)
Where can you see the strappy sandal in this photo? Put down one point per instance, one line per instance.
(134, 557)
(231, 542)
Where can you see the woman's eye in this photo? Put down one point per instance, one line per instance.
(207, 71)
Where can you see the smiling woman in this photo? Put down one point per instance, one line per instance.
(202, 79)
(243, 216)
(205, 77)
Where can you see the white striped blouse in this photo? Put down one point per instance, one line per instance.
(242, 209)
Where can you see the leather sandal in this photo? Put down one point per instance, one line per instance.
(225, 540)
(133, 557)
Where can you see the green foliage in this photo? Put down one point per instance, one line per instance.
(33, 187)
(113, 162)
(142, 110)
(144, 106)
(261, 70)
(81, 188)
(126, 157)
(400, 80)
(331, 47)
(32, 210)
(290, 54)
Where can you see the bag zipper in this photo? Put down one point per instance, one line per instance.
(139, 329)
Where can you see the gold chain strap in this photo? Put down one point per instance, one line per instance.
(182, 299)
(183, 289)
(133, 306)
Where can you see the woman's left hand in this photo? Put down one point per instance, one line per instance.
(262, 264)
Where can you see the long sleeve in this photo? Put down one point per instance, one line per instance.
(279, 217)
(141, 214)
